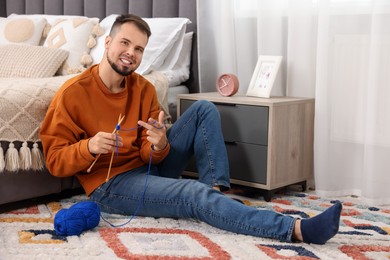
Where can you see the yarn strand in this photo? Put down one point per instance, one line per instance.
(140, 200)
(116, 130)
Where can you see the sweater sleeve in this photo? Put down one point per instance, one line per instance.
(65, 152)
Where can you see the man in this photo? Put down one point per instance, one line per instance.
(78, 139)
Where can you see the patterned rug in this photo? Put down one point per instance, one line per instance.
(28, 233)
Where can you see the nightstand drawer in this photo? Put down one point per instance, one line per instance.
(240, 123)
(247, 162)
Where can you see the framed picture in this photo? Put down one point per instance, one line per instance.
(263, 78)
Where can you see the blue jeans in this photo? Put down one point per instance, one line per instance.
(197, 132)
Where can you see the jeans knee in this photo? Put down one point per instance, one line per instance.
(206, 107)
(204, 104)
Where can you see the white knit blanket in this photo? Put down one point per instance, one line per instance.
(23, 106)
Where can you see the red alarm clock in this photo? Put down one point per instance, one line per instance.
(227, 84)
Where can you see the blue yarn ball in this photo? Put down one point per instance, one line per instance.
(81, 216)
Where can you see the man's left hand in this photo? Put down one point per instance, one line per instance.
(156, 131)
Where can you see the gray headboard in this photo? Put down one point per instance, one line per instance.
(103, 8)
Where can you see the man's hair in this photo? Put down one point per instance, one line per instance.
(130, 18)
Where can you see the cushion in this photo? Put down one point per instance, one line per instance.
(21, 30)
(76, 35)
(30, 61)
(179, 72)
(51, 19)
(166, 33)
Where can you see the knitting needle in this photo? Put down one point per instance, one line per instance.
(109, 168)
(113, 132)
(112, 154)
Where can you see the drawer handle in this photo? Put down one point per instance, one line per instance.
(224, 104)
(230, 143)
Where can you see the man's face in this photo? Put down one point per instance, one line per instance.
(125, 49)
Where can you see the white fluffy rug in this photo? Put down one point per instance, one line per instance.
(28, 233)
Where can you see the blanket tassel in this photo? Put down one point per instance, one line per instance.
(37, 158)
(25, 157)
(2, 162)
(12, 158)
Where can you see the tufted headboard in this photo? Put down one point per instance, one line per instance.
(103, 8)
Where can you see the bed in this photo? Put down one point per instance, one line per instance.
(45, 42)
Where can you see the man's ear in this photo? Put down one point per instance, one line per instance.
(107, 41)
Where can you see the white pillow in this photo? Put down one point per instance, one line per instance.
(180, 72)
(77, 36)
(165, 34)
(21, 30)
(173, 55)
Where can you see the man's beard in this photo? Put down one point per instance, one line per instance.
(123, 72)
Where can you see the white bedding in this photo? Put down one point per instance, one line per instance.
(23, 105)
(173, 92)
(172, 103)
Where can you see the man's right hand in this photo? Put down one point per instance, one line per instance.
(104, 142)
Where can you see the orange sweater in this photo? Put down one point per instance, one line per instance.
(82, 107)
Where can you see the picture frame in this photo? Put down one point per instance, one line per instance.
(264, 75)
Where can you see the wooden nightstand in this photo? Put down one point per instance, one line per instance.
(269, 141)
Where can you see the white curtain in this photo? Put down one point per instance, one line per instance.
(336, 51)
